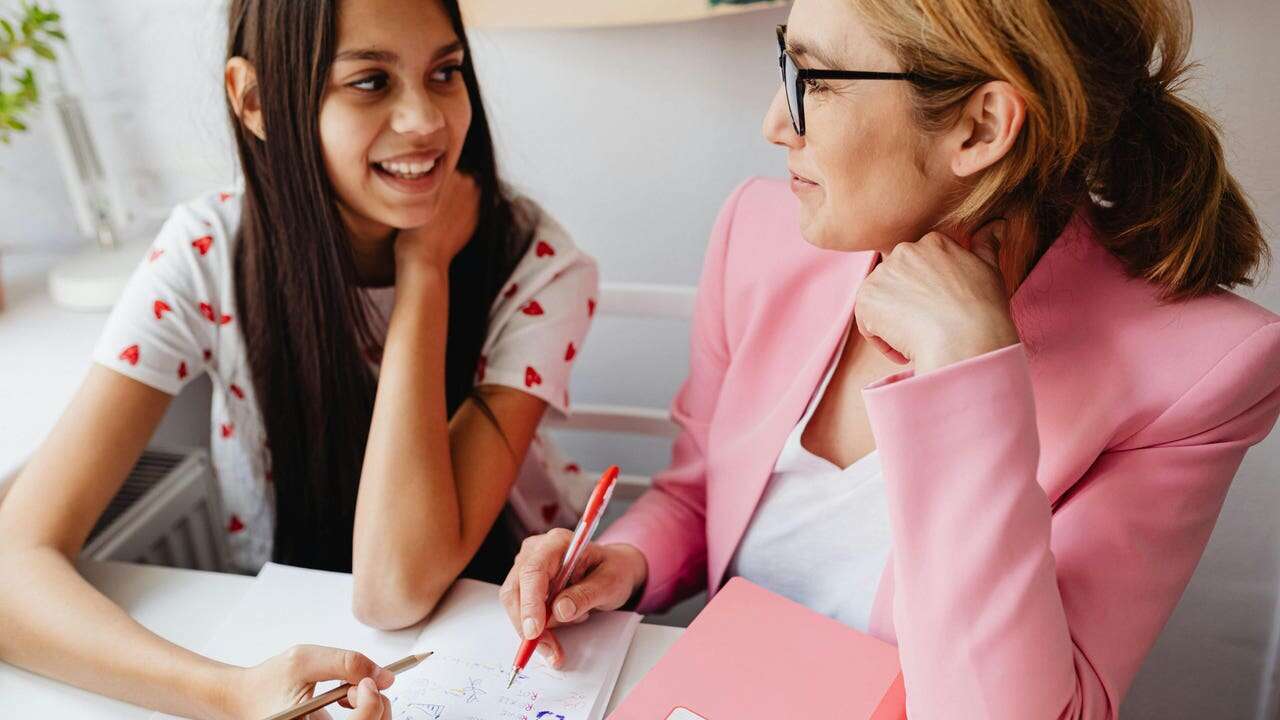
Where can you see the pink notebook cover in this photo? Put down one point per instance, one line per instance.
(755, 655)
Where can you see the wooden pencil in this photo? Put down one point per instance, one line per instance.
(340, 692)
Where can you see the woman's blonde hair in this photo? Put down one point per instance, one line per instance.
(1105, 129)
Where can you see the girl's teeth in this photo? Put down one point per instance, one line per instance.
(408, 170)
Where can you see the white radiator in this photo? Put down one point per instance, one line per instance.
(168, 512)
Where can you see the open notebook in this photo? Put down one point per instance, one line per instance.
(469, 633)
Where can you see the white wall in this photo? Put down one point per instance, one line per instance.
(633, 137)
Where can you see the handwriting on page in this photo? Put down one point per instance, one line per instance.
(452, 687)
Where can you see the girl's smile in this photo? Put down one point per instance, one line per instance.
(414, 173)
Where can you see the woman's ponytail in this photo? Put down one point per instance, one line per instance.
(1171, 212)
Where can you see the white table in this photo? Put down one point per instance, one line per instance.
(44, 354)
(184, 606)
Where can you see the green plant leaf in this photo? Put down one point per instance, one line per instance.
(16, 124)
(8, 30)
(43, 51)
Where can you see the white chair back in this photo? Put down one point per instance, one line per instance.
(643, 301)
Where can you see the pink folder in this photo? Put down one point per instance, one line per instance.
(755, 655)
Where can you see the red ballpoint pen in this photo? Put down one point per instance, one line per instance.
(581, 536)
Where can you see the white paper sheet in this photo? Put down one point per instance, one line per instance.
(469, 633)
(474, 645)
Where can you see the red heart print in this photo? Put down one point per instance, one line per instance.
(544, 250)
(549, 511)
(224, 196)
(481, 366)
(511, 291)
(203, 244)
(570, 353)
(207, 311)
(591, 308)
(130, 355)
(572, 467)
(228, 429)
(532, 308)
(235, 525)
(208, 355)
(531, 377)
(182, 371)
(155, 254)
(235, 390)
(160, 307)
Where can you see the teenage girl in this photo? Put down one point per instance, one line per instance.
(384, 325)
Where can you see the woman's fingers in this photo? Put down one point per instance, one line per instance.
(369, 704)
(314, 663)
(600, 589)
(864, 313)
(534, 573)
(550, 649)
(509, 596)
(888, 350)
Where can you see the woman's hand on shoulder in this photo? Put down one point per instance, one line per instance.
(437, 242)
(934, 303)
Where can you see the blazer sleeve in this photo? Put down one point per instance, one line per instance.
(668, 522)
(1007, 608)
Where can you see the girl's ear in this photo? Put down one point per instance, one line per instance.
(987, 128)
(242, 91)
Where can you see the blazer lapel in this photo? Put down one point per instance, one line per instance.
(823, 314)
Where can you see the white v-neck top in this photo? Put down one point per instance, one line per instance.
(820, 534)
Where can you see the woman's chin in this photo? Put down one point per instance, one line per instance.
(821, 236)
(814, 226)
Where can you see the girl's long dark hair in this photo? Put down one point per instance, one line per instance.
(305, 322)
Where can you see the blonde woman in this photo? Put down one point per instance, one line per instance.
(1012, 199)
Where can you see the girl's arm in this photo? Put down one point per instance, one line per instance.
(55, 623)
(431, 488)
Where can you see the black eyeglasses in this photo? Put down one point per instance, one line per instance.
(794, 79)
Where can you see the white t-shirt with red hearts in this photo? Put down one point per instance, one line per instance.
(178, 318)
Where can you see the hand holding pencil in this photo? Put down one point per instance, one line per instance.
(283, 685)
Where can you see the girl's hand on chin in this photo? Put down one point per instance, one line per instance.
(934, 303)
(436, 243)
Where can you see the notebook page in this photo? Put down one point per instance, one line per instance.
(474, 645)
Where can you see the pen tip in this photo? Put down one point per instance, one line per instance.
(514, 673)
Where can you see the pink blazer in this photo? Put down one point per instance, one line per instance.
(1048, 501)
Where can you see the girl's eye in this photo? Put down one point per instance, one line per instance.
(373, 83)
(446, 73)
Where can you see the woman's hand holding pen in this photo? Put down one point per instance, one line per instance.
(935, 302)
(607, 576)
(290, 678)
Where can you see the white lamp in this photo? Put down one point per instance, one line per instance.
(95, 277)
